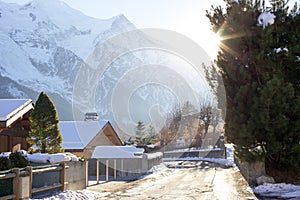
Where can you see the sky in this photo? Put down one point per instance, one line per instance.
(183, 16)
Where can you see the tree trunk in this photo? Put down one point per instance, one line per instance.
(43, 149)
(206, 129)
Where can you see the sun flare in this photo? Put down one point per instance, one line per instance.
(212, 44)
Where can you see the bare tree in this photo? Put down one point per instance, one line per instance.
(206, 114)
(172, 124)
(215, 118)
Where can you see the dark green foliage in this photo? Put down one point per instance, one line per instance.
(44, 132)
(17, 160)
(262, 82)
(140, 133)
(215, 81)
(5, 163)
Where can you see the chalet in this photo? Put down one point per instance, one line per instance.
(81, 137)
(14, 123)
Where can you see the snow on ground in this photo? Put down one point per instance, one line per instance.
(79, 194)
(276, 191)
(156, 171)
(230, 152)
(280, 190)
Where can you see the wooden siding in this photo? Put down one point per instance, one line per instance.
(14, 136)
(8, 143)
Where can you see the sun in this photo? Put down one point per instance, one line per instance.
(216, 39)
(212, 44)
(197, 27)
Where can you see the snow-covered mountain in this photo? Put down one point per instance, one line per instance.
(42, 45)
(46, 46)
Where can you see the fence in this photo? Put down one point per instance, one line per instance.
(34, 180)
(10, 181)
(122, 168)
(31, 181)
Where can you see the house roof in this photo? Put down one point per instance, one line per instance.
(78, 134)
(13, 109)
(117, 152)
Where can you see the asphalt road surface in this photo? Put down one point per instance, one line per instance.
(181, 180)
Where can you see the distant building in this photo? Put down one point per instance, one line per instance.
(82, 137)
(14, 123)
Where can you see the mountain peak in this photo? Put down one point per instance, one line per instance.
(57, 11)
(121, 20)
(43, 45)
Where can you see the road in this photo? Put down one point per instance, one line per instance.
(182, 180)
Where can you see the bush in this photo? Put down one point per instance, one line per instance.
(5, 163)
(17, 160)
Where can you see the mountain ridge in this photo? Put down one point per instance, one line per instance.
(62, 52)
(43, 43)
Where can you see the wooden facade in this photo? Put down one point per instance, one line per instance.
(14, 126)
(75, 139)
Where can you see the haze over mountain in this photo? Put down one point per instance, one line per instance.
(46, 46)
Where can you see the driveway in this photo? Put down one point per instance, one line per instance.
(181, 180)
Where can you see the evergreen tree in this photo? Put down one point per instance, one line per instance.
(140, 133)
(151, 132)
(260, 70)
(44, 132)
(215, 81)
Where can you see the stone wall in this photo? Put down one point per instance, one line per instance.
(76, 175)
(150, 160)
(251, 170)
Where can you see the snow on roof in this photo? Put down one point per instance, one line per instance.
(117, 152)
(77, 134)
(9, 107)
(13, 109)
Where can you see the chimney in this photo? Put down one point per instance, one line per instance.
(91, 116)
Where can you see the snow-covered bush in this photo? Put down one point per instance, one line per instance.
(5, 154)
(38, 158)
(51, 158)
(18, 160)
(10, 160)
(22, 159)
